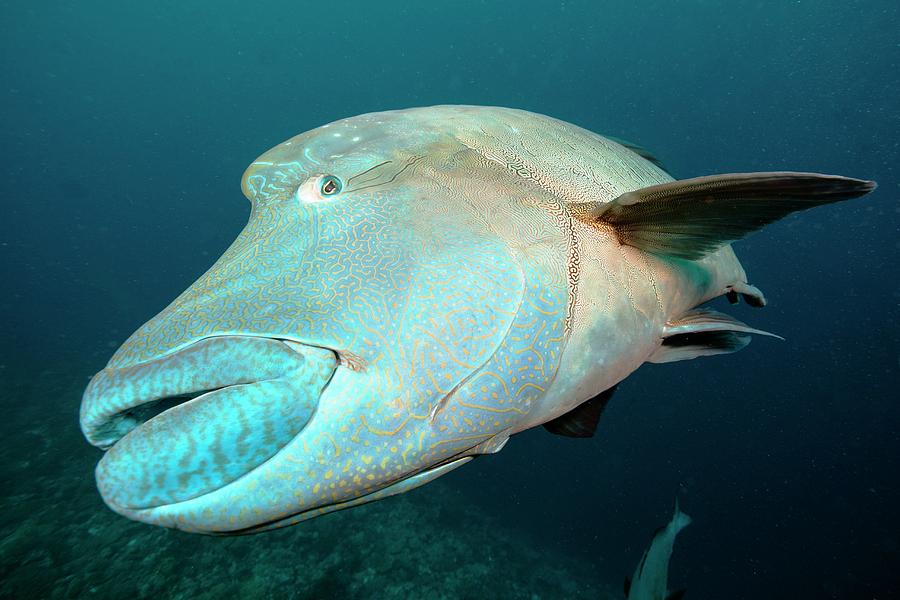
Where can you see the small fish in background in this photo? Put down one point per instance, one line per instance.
(652, 573)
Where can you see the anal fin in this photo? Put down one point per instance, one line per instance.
(581, 421)
(703, 332)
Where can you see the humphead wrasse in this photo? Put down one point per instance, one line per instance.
(412, 288)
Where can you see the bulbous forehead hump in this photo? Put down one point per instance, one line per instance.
(341, 148)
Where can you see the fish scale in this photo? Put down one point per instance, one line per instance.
(470, 271)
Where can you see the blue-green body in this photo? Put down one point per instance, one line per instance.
(363, 336)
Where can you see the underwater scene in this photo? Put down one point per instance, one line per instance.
(450, 300)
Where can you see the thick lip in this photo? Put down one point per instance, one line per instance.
(150, 473)
(168, 515)
(194, 421)
(402, 484)
(117, 400)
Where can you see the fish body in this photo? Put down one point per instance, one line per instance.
(412, 288)
(651, 575)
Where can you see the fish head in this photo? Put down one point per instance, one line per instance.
(341, 349)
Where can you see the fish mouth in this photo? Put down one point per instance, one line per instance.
(194, 420)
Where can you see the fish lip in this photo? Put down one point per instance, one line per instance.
(374, 495)
(105, 423)
(150, 514)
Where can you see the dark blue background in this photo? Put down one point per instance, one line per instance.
(125, 127)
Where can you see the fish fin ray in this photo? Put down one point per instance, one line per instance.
(581, 421)
(692, 218)
(493, 444)
(690, 346)
(639, 150)
(703, 332)
(703, 319)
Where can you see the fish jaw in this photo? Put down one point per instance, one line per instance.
(442, 277)
(323, 468)
(255, 395)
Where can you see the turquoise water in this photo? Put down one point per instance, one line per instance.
(126, 127)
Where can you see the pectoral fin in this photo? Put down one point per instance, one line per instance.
(703, 332)
(694, 217)
(493, 444)
(581, 421)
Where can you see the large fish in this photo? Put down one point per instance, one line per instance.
(412, 288)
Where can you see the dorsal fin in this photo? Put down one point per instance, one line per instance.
(581, 421)
(639, 150)
(695, 217)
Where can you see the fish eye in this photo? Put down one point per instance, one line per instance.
(330, 185)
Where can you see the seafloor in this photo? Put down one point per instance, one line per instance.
(57, 539)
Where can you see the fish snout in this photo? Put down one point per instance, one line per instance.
(193, 421)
